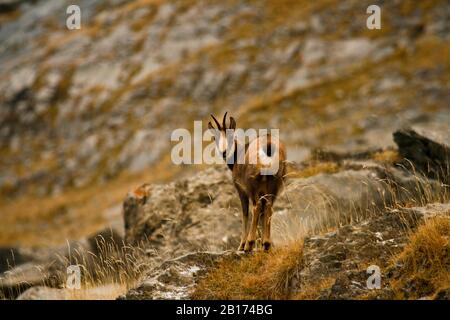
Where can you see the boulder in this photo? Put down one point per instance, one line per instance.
(43, 293)
(175, 278)
(423, 154)
(194, 213)
(10, 257)
(21, 278)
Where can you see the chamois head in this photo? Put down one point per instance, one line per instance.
(224, 135)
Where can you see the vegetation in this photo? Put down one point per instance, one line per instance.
(423, 267)
(258, 276)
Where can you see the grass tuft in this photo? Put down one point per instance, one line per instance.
(425, 261)
(258, 276)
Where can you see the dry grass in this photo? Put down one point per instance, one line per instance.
(425, 261)
(313, 169)
(258, 276)
(267, 276)
(387, 156)
(113, 263)
(112, 270)
(312, 291)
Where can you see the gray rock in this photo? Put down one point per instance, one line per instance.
(20, 278)
(175, 279)
(189, 214)
(425, 155)
(43, 293)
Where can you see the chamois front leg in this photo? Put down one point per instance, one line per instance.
(251, 238)
(268, 211)
(244, 203)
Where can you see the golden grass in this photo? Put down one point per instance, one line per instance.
(314, 168)
(425, 266)
(258, 276)
(387, 156)
(312, 291)
(425, 261)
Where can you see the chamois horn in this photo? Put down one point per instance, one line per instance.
(217, 122)
(224, 120)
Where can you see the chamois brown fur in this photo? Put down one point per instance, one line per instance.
(253, 186)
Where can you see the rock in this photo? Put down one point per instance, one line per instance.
(19, 279)
(327, 200)
(352, 50)
(10, 257)
(427, 156)
(43, 293)
(185, 215)
(10, 5)
(106, 239)
(342, 253)
(175, 278)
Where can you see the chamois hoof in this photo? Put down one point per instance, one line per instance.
(267, 246)
(249, 246)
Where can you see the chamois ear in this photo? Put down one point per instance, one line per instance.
(232, 123)
(210, 126)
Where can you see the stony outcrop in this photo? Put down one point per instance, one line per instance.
(185, 227)
(424, 155)
(176, 278)
(203, 211)
(43, 293)
(195, 213)
(346, 253)
(356, 201)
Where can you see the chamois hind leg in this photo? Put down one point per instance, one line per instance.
(268, 211)
(251, 238)
(244, 203)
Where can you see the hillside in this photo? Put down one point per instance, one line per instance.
(86, 118)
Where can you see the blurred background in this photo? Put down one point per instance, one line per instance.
(86, 115)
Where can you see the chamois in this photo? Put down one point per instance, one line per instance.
(247, 162)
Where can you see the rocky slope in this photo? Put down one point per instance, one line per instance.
(359, 203)
(86, 116)
(92, 107)
(184, 228)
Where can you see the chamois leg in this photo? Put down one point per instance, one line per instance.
(268, 211)
(251, 238)
(244, 203)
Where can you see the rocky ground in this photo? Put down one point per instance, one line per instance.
(369, 225)
(184, 228)
(88, 110)
(86, 116)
